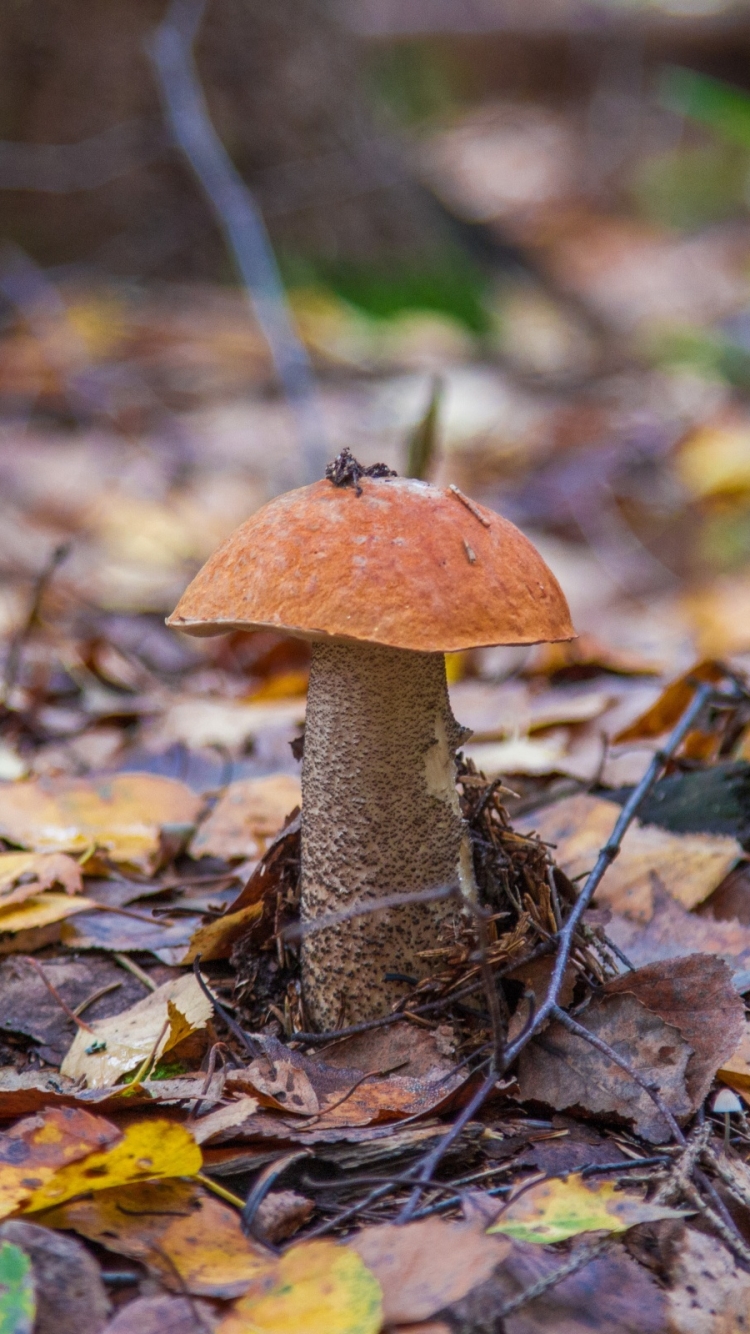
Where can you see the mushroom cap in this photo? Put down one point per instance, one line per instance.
(403, 564)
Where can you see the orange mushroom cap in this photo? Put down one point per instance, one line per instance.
(403, 564)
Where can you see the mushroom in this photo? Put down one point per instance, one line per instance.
(383, 575)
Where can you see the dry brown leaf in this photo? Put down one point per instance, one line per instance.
(151, 1027)
(671, 704)
(344, 1096)
(428, 1265)
(688, 866)
(122, 815)
(672, 931)
(187, 1237)
(610, 1295)
(695, 995)
(23, 874)
(678, 1046)
(198, 722)
(37, 1147)
(225, 1122)
(163, 1315)
(281, 1214)
(246, 817)
(563, 1070)
(70, 1296)
(587, 656)
(708, 1292)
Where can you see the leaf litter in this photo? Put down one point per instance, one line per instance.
(147, 816)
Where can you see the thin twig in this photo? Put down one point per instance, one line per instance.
(434, 1156)
(171, 51)
(576, 1261)
(607, 855)
(250, 1046)
(56, 994)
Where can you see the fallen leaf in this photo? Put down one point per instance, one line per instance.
(25, 873)
(426, 1266)
(147, 1150)
(563, 1070)
(735, 1070)
(70, 1295)
(556, 1209)
(695, 995)
(317, 1286)
(674, 1022)
(27, 1006)
(708, 1292)
(344, 1096)
(151, 1027)
(122, 815)
(39, 910)
(17, 1301)
(214, 940)
(198, 722)
(672, 931)
(282, 1213)
(612, 1294)
(586, 656)
(248, 814)
(162, 1315)
(37, 1147)
(688, 866)
(671, 704)
(189, 1239)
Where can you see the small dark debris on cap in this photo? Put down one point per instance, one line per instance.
(346, 471)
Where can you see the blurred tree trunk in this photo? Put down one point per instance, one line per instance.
(285, 90)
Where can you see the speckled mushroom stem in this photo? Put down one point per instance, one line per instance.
(380, 815)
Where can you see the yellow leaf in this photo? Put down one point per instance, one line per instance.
(559, 1208)
(42, 910)
(151, 1027)
(122, 815)
(36, 1148)
(214, 940)
(736, 1071)
(37, 871)
(147, 1150)
(247, 815)
(186, 1236)
(318, 1287)
(715, 460)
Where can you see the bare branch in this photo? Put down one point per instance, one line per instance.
(235, 210)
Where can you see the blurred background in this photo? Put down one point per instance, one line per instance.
(498, 244)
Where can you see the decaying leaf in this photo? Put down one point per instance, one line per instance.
(687, 866)
(162, 1315)
(34, 1149)
(189, 1239)
(556, 1209)
(612, 1293)
(248, 814)
(17, 1301)
(145, 1151)
(121, 815)
(671, 704)
(678, 1046)
(27, 1005)
(149, 1028)
(214, 939)
(317, 1286)
(696, 996)
(708, 1291)
(427, 1265)
(70, 1295)
(25, 873)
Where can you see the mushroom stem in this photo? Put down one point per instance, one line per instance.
(380, 815)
